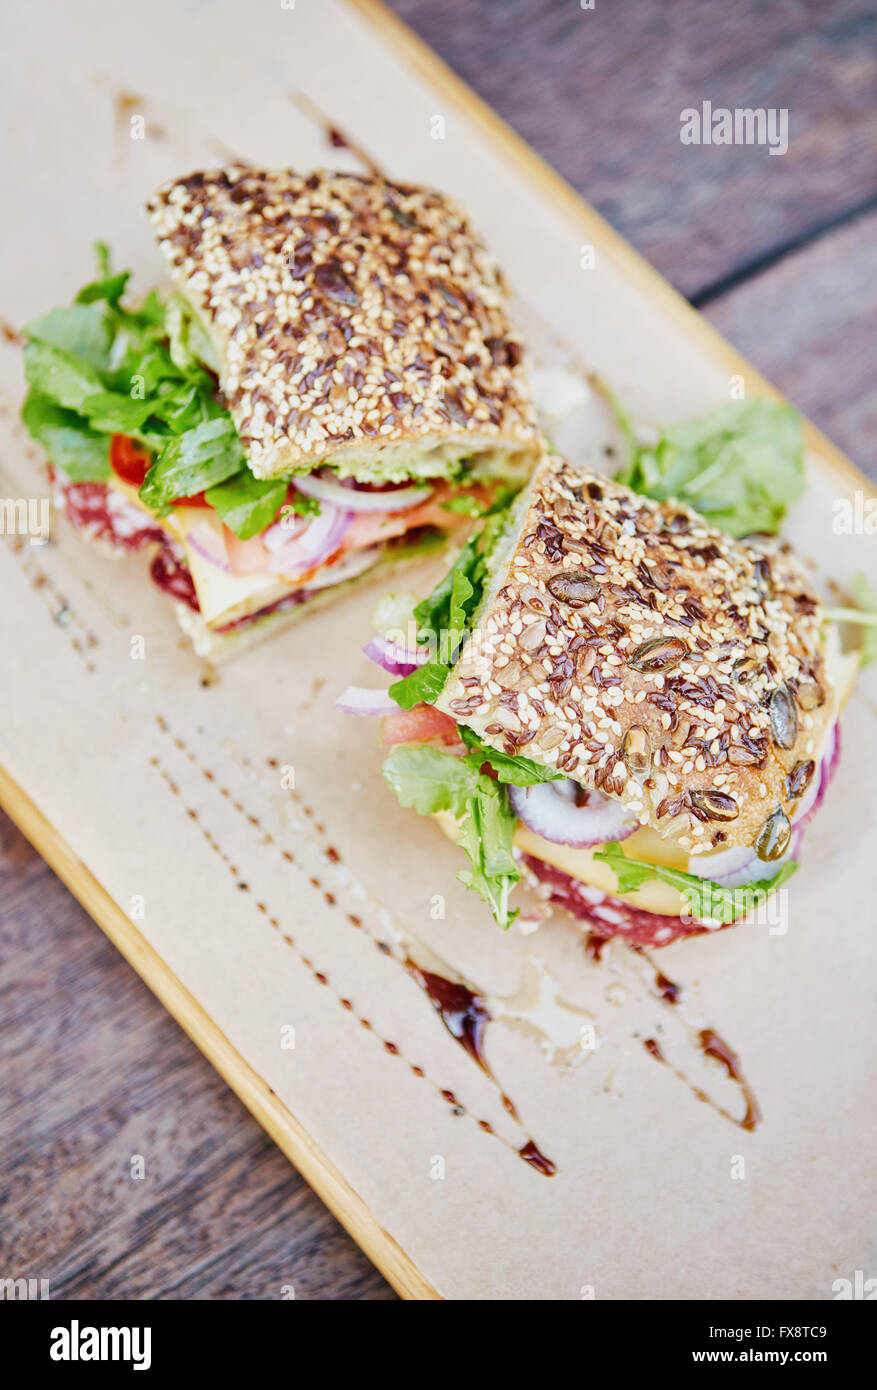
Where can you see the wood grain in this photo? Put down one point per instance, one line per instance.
(95, 1070)
(96, 1073)
(599, 92)
(809, 324)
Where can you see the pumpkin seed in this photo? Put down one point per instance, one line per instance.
(783, 718)
(715, 805)
(799, 778)
(774, 836)
(657, 654)
(656, 576)
(574, 587)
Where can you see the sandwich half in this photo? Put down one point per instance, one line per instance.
(332, 383)
(618, 701)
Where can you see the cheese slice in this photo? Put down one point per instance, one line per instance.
(652, 896)
(223, 597)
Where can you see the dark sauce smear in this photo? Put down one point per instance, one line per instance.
(714, 1046)
(670, 992)
(595, 945)
(466, 1015)
(463, 1012)
(530, 1154)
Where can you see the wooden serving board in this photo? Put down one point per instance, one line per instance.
(235, 840)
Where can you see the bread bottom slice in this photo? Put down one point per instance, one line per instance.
(218, 647)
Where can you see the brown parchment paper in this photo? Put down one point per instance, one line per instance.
(243, 823)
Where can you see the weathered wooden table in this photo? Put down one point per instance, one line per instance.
(781, 253)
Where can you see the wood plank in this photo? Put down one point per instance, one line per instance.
(599, 93)
(808, 323)
(220, 1212)
(250, 1088)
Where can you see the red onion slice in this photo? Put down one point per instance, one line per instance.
(547, 809)
(398, 661)
(722, 864)
(822, 779)
(209, 544)
(307, 549)
(352, 500)
(754, 868)
(357, 699)
(280, 533)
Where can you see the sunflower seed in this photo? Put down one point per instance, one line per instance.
(533, 636)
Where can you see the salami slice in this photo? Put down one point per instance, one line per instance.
(607, 916)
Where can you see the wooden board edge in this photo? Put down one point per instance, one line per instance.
(629, 262)
(264, 1105)
(252, 1090)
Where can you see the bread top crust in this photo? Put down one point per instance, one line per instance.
(347, 312)
(645, 654)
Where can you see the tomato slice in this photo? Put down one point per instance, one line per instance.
(128, 459)
(418, 725)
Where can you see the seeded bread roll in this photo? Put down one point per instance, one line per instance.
(647, 655)
(357, 323)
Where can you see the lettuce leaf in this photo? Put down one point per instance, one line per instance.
(428, 780)
(246, 504)
(706, 901)
(98, 367)
(445, 616)
(68, 440)
(739, 466)
(518, 771)
(191, 462)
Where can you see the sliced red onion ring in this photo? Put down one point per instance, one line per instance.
(756, 868)
(310, 547)
(281, 532)
(547, 810)
(721, 864)
(398, 661)
(352, 500)
(209, 544)
(822, 779)
(357, 699)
